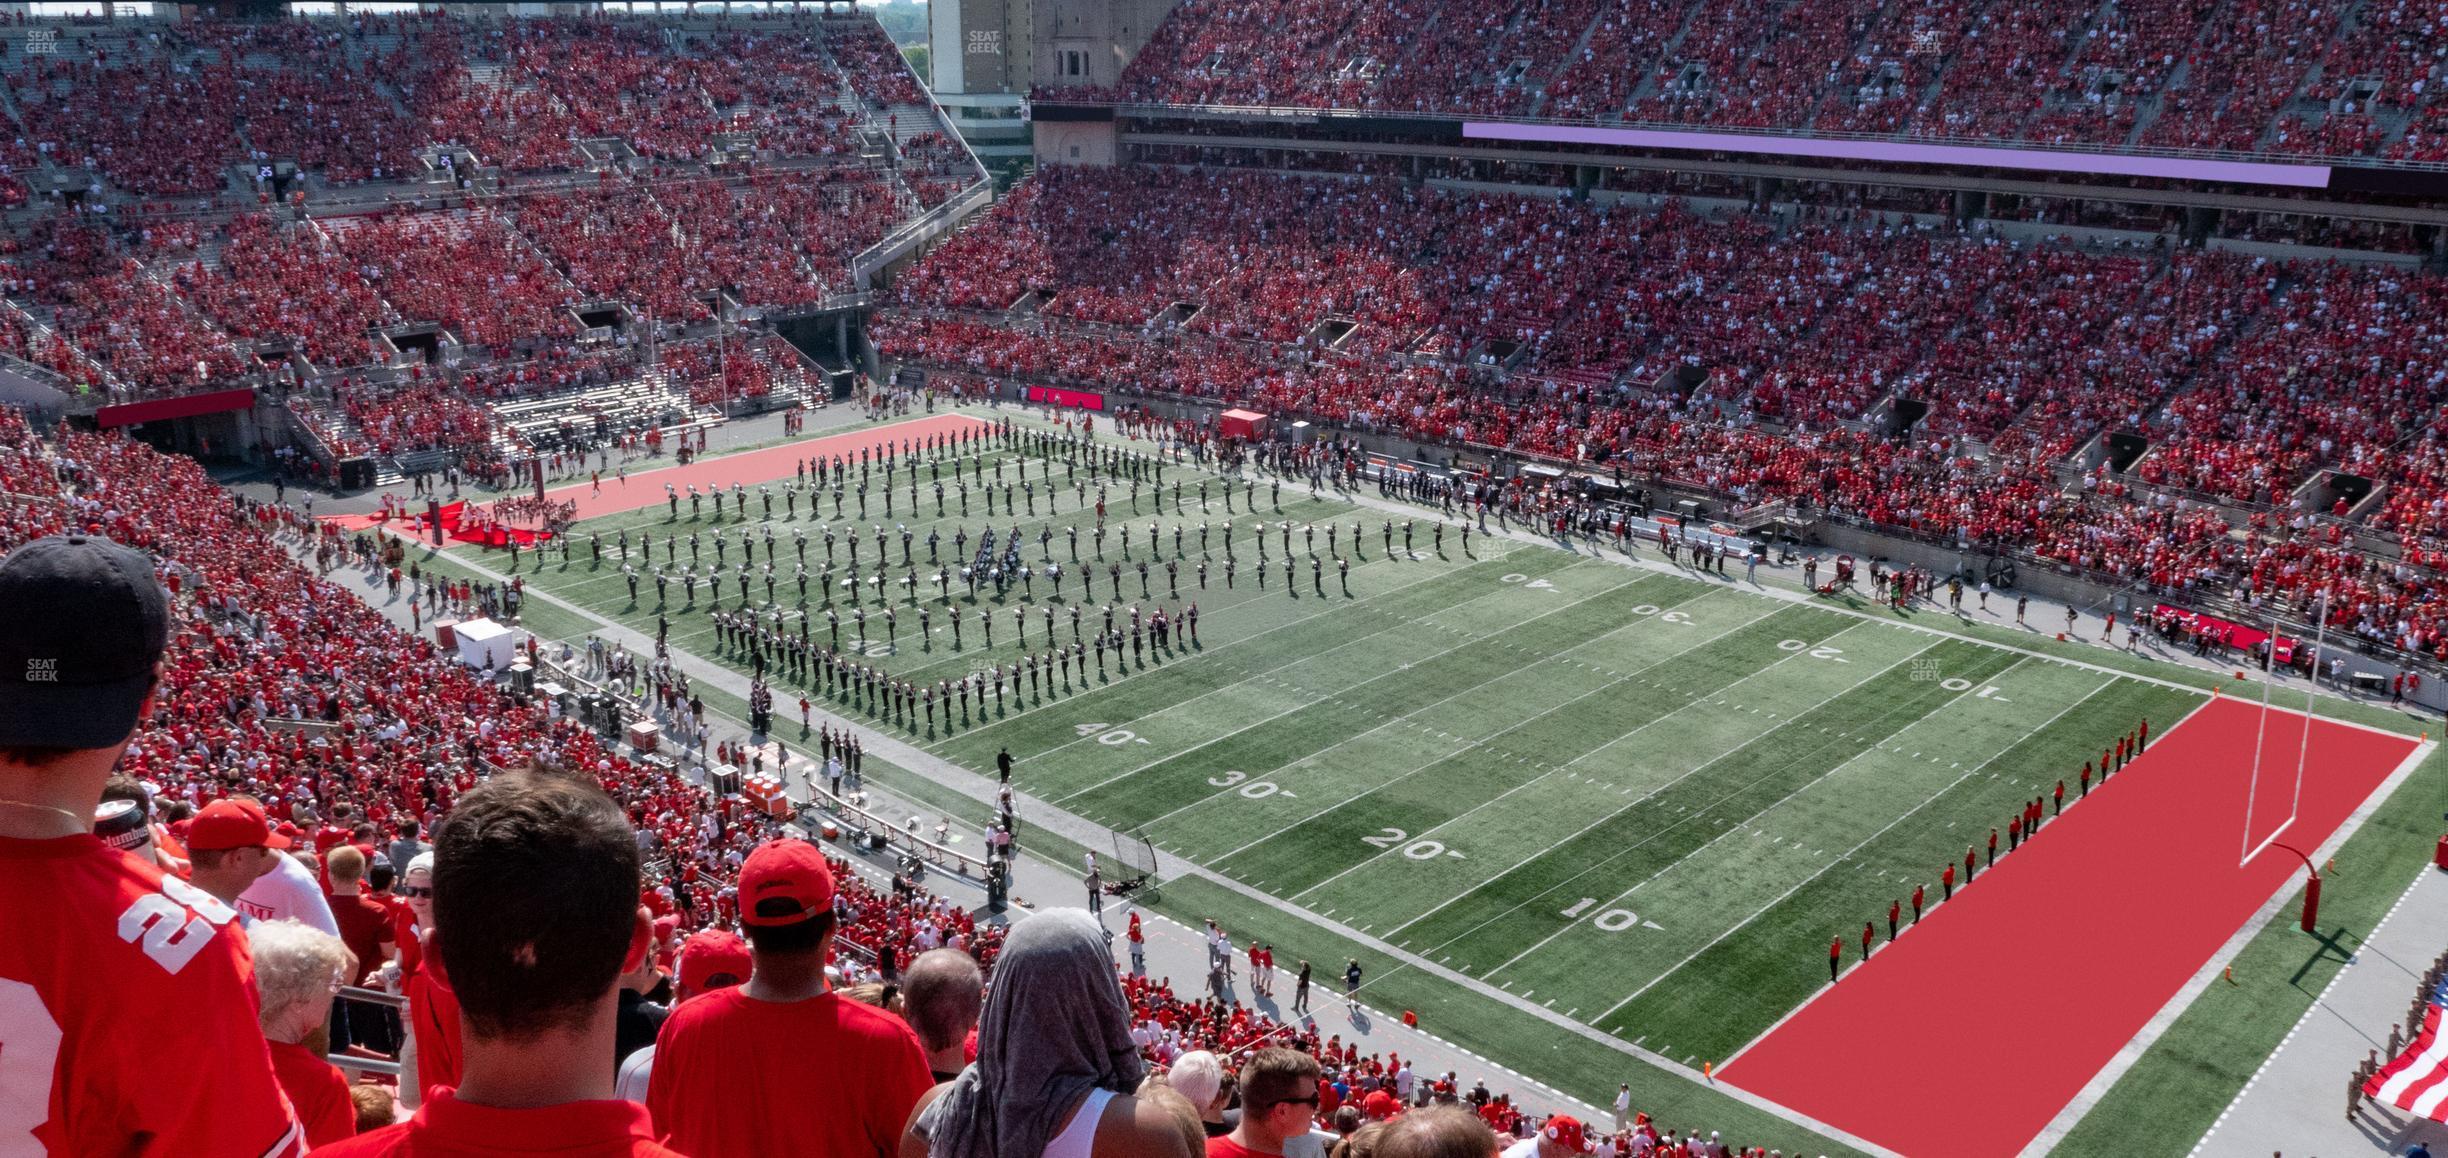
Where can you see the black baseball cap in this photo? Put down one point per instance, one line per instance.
(82, 623)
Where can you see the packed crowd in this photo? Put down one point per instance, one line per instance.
(1634, 329)
(780, 240)
(166, 110)
(285, 283)
(2063, 72)
(288, 715)
(466, 269)
(715, 373)
(102, 300)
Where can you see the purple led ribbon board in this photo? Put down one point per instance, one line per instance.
(1914, 153)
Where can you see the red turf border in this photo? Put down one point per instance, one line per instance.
(1971, 1032)
(748, 468)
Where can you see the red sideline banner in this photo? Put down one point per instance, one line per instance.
(2236, 634)
(186, 406)
(1079, 399)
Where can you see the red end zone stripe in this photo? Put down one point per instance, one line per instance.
(750, 467)
(1967, 1036)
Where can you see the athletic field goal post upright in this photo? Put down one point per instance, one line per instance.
(1134, 861)
(2253, 804)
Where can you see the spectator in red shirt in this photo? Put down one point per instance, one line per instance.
(364, 926)
(364, 923)
(91, 613)
(297, 972)
(1054, 1048)
(536, 893)
(783, 1064)
(942, 994)
(1279, 1094)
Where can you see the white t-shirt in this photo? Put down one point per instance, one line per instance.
(1313, 1144)
(1526, 1148)
(635, 1070)
(289, 893)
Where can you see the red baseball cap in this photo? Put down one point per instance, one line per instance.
(1566, 1131)
(709, 954)
(784, 870)
(227, 824)
(1379, 1105)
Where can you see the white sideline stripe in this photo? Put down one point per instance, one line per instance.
(2318, 1003)
(1641, 563)
(1620, 894)
(1466, 744)
(1866, 679)
(1848, 853)
(1315, 699)
(2132, 1052)
(1442, 825)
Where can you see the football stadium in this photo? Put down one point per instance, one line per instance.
(1739, 579)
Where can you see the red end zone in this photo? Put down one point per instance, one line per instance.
(1969, 1034)
(645, 489)
(752, 467)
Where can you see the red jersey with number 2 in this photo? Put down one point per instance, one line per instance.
(109, 972)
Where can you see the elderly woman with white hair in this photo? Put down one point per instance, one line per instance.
(298, 971)
(1199, 1075)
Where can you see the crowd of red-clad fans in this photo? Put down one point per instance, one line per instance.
(174, 110)
(204, 119)
(1633, 329)
(285, 283)
(778, 240)
(289, 715)
(2234, 77)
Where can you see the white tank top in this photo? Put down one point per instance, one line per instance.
(1078, 1137)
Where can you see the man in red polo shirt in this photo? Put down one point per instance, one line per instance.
(109, 969)
(536, 902)
(782, 1064)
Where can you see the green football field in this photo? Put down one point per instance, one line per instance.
(1636, 796)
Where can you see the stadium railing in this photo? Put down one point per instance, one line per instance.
(895, 834)
(358, 1063)
(934, 223)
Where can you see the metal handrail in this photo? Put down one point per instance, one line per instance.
(1163, 108)
(381, 997)
(865, 263)
(818, 795)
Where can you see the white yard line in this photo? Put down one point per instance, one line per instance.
(1857, 847)
(1635, 803)
(1697, 813)
(1467, 745)
(1542, 777)
(1398, 622)
(1345, 690)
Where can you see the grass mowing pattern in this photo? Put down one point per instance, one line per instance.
(1643, 801)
